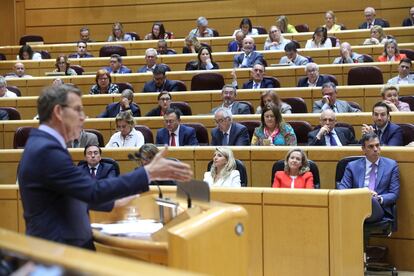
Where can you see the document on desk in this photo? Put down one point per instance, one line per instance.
(142, 228)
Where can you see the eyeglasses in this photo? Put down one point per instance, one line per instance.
(220, 121)
(165, 99)
(79, 109)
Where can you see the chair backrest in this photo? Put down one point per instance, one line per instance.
(331, 78)
(78, 69)
(302, 28)
(45, 54)
(260, 29)
(408, 133)
(201, 133)
(146, 131)
(124, 85)
(251, 108)
(275, 81)
(346, 125)
(298, 104)
(364, 75)
(30, 38)
(101, 141)
(301, 128)
(250, 125)
(3, 56)
(409, 100)
(184, 107)
(134, 35)
(340, 168)
(355, 105)
(12, 112)
(180, 85)
(334, 41)
(207, 81)
(280, 166)
(108, 50)
(14, 89)
(215, 32)
(108, 161)
(240, 167)
(20, 137)
(408, 52)
(367, 58)
(343, 27)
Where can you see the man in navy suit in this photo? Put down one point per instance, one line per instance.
(249, 55)
(228, 133)
(237, 44)
(93, 164)
(258, 81)
(228, 95)
(126, 103)
(82, 51)
(160, 82)
(328, 134)
(174, 133)
(54, 192)
(313, 78)
(370, 14)
(379, 174)
(116, 66)
(389, 134)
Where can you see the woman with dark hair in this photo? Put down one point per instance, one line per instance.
(246, 27)
(62, 65)
(271, 97)
(391, 52)
(157, 32)
(104, 84)
(319, 39)
(273, 130)
(118, 33)
(204, 61)
(296, 173)
(26, 53)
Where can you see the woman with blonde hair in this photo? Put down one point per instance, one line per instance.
(118, 33)
(223, 171)
(127, 135)
(330, 22)
(284, 26)
(389, 94)
(275, 40)
(377, 36)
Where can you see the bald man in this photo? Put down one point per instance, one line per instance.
(19, 72)
(347, 56)
(249, 57)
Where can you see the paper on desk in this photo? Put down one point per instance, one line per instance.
(139, 228)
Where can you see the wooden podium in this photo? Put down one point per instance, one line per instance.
(209, 237)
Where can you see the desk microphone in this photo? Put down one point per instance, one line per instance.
(187, 194)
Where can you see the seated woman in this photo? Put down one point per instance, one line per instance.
(319, 39)
(283, 24)
(26, 53)
(192, 45)
(273, 130)
(164, 102)
(330, 22)
(377, 36)
(118, 33)
(389, 94)
(127, 135)
(62, 65)
(223, 172)
(296, 173)
(157, 32)
(204, 61)
(246, 27)
(271, 97)
(104, 84)
(391, 52)
(275, 41)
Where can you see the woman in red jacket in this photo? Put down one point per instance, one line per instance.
(296, 173)
(391, 52)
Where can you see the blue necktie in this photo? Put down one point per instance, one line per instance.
(225, 140)
(332, 139)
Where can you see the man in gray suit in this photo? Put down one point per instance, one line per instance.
(347, 56)
(404, 76)
(85, 138)
(292, 57)
(329, 101)
(228, 95)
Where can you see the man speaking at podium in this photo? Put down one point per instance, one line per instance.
(55, 193)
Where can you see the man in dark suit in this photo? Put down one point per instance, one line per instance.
(369, 14)
(174, 133)
(82, 51)
(249, 55)
(228, 95)
(160, 82)
(228, 133)
(330, 101)
(389, 134)
(162, 48)
(54, 192)
(237, 44)
(409, 21)
(328, 134)
(116, 66)
(313, 78)
(93, 165)
(258, 81)
(126, 103)
(379, 174)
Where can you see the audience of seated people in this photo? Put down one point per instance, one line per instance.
(85, 138)
(296, 173)
(275, 41)
(157, 32)
(329, 101)
(164, 102)
(347, 55)
(84, 35)
(223, 171)
(93, 165)
(273, 130)
(389, 94)
(271, 97)
(127, 135)
(391, 52)
(313, 78)
(160, 82)
(227, 132)
(283, 24)
(257, 80)
(202, 29)
(246, 27)
(103, 83)
(4, 92)
(118, 33)
(371, 20)
(409, 21)
(204, 61)
(237, 44)
(62, 65)
(330, 22)
(249, 55)
(292, 57)
(162, 48)
(18, 72)
(81, 50)
(26, 53)
(319, 39)
(116, 66)
(228, 96)
(125, 104)
(404, 76)
(192, 45)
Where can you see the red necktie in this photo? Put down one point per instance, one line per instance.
(172, 142)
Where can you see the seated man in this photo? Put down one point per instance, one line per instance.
(249, 57)
(82, 51)
(85, 138)
(227, 132)
(389, 134)
(160, 82)
(409, 21)
(329, 101)
(369, 14)
(404, 76)
(258, 81)
(93, 165)
(379, 174)
(4, 92)
(237, 44)
(174, 133)
(162, 48)
(126, 103)
(292, 57)
(328, 134)
(164, 102)
(228, 95)
(84, 35)
(116, 66)
(19, 72)
(202, 29)
(150, 60)
(313, 78)
(347, 56)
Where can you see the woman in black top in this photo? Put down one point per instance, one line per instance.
(204, 61)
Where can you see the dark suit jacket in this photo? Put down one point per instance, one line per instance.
(239, 136)
(303, 82)
(344, 134)
(193, 65)
(266, 83)
(187, 136)
(122, 70)
(236, 108)
(378, 21)
(76, 55)
(254, 56)
(55, 193)
(169, 86)
(387, 182)
(407, 22)
(154, 112)
(392, 136)
(105, 170)
(113, 109)
(233, 46)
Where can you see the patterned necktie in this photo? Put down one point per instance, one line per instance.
(255, 85)
(172, 142)
(93, 172)
(225, 141)
(332, 140)
(372, 177)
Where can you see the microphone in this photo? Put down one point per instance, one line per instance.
(187, 195)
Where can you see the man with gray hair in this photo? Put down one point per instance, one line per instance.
(227, 132)
(150, 59)
(4, 92)
(329, 101)
(249, 57)
(313, 78)
(370, 14)
(126, 103)
(228, 95)
(19, 72)
(347, 56)
(202, 29)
